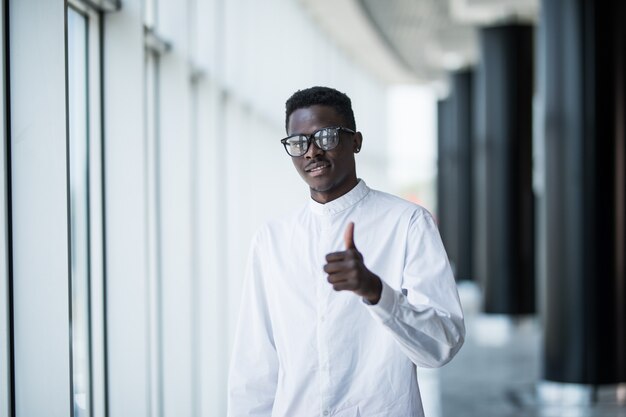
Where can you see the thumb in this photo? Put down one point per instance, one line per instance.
(348, 236)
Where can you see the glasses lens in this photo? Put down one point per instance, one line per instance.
(296, 145)
(327, 139)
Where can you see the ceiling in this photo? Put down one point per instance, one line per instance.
(408, 41)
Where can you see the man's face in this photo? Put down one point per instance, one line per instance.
(329, 174)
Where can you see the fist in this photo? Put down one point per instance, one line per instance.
(347, 272)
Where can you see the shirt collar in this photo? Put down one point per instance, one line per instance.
(347, 200)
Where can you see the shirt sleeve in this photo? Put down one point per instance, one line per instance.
(254, 364)
(427, 322)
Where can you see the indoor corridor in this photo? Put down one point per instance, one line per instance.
(496, 373)
(144, 146)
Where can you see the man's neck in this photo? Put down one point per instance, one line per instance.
(323, 197)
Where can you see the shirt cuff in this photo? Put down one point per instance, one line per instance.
(383, 310)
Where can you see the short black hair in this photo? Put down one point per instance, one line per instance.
(323, 96)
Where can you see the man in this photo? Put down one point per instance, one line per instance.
(346, 296)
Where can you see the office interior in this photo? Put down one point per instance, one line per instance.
(141, 153)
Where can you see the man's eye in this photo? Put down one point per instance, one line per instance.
(296, 144)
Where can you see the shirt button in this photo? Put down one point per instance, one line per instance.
(326, 413)
(322, 318)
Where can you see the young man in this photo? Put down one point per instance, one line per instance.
(344, 298)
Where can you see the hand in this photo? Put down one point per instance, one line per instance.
(346, 271)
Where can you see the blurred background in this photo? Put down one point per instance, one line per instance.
(141, 152)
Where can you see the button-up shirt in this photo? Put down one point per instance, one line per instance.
(303, 349)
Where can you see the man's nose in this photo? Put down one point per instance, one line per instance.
(313, 151)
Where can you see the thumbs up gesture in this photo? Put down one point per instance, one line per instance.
(346, 271)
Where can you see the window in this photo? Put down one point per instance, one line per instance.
(85, 207)
(155, 47)
(79, 209)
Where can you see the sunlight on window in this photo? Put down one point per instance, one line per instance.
(413, 143)
(79, 209)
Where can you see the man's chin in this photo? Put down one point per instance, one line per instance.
(320, 187)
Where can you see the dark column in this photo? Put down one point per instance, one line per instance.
(581, 85)
(504, 221)
(462, 114)
(455, 127)
(446, 184)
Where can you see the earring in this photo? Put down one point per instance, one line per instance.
(357, 150)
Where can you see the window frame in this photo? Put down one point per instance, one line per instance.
(6, 336)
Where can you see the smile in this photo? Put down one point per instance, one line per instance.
(318, 169)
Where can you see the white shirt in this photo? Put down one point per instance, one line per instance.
(302, 349)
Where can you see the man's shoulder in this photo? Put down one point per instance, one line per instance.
(393, 203)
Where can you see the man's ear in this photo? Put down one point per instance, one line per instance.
(358, 141)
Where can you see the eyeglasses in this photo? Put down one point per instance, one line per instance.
(326, 138)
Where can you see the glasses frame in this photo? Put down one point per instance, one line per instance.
(311, 138)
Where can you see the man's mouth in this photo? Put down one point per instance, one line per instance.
(317, 168)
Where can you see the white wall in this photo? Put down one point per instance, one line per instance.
(192, 167)
(127, 238)
(41, 310)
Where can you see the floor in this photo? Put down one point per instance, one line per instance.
(496, 373)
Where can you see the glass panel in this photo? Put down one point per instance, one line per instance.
(153, 217)
(79, 210)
